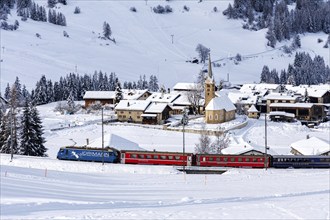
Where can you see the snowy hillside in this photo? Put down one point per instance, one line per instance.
(78, 190)
(144, 43)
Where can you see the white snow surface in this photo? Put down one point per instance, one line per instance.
(47, 188)
(144, 44)
(44, 188)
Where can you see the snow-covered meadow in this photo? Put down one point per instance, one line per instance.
(80, 190)
(144, 44)
(47, 188)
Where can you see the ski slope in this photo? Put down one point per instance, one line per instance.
(144, 44)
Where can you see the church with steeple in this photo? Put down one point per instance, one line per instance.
(218, 107)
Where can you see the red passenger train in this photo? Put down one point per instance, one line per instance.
(156, 158)
(190, 159)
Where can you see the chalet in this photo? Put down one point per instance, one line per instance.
(131, 110)
(241, 150)
(310, 146)
(156, 113)
(303, 111)
(102, 97)
(280, 98)
(319, 96)
(315, 93)
(108, 97)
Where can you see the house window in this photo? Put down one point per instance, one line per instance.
(124, 116)
(210, 117)
(138, 117)
(216, 117)
(129, 112)
(121, 112)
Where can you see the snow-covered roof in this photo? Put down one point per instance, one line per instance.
(292, 105)
(243, 98)
(115, 141)
(99, 95)
(237, 149)
(258, 87)
(163, 97)
(137, 105)
(182, 100)
(185, 86)
(311, 146)
(156, 107)
(253, 109)
(221, 102)
(281, 96)
(149, 115)
(312, 90)
(282, 113)
(129, 94)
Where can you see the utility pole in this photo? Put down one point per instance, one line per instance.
(266, 148)
(11, 134)
(184, 122)
(102, 139)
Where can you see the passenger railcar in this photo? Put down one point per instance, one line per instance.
(286, 161)
(156, 158)
(221, 160)
(108, 155)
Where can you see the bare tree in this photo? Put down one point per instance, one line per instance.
(195, 96)
(221, 142)
(203, 147)
(203, 52)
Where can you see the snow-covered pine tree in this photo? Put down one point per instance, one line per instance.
(265, 75)
(118, 93)
(27, 135)
(5, 134)
(106, 30)
(7, 92)
(37, 128)
(40, 92)
(51, 3)
(71, 106)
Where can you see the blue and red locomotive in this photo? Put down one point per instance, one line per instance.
(111, 155)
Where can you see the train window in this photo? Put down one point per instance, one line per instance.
(141, 156)
(210, 158)
(247, 159)
(155, 156)
(133, 156)
(170, 157)
(177, 157)
(225, 159)
(232, 159)
(218, 159)
(66, 152)
(163, 157)
(148, 156)
(254, 159)
(240, 159)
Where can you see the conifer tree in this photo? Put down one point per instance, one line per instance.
(39, 140)
(106, 30)
(118, 92)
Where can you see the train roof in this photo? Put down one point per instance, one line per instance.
(300, 156)
(89, 148)
(154, 152)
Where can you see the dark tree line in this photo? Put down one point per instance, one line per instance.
(308, 16)
(29, 9)
(304, 70)
(74, 85)
(152, 85)
(20, 133)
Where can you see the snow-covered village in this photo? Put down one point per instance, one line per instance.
(165, 109)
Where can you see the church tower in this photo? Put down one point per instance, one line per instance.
(209, 84)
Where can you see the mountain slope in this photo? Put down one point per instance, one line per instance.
(144, 43)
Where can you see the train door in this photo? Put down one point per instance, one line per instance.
(122, 155)
(189, 159)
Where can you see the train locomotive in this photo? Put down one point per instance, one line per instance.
(112, 155)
